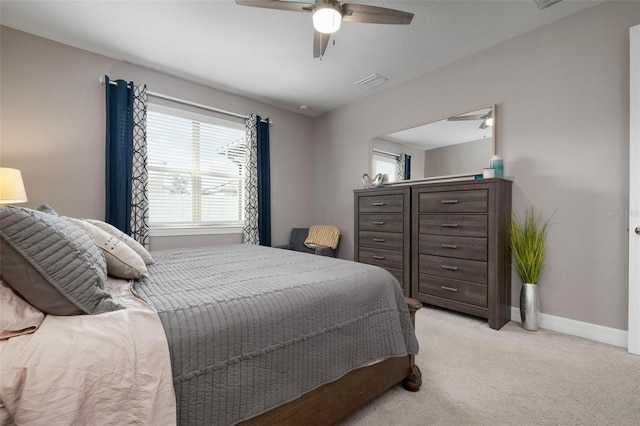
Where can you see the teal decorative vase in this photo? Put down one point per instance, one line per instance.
(530, 307)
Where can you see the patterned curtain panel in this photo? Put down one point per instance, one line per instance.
(126, 176)
(257, 227)
(251, 183)
(400, 167)
(139, 177)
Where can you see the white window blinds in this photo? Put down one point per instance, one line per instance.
(196, 169)
(387, 164)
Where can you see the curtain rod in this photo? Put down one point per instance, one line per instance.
(193, 104)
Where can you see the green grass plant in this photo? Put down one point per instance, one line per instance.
(527, 238)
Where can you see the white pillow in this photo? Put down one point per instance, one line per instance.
(16, 315)
(136, 246)
(122, 261)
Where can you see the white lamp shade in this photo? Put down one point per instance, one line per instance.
(326, 20)
(11, 186)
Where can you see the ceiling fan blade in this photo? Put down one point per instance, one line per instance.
(467, 117)
(294, 6)
(374, 14)
(320, 42)
(483, 125)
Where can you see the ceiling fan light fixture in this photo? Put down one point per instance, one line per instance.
(489, 121)
(327, 17)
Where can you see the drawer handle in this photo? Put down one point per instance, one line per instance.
(378, 204)
(449, 246)
(449, 225)
(378, 223)
(378, 240)
(444, 287)
(449, 201)
(378, 257)
(449, 268)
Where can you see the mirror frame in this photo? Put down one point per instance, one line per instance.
(443, 177)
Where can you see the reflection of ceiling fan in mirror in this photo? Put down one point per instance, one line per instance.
(487, 119)
(327, 15)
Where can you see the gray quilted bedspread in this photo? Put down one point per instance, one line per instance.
(250, 327)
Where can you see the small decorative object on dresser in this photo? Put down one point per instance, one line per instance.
(496, 164)
(527, 241)
(460, 251)
(382, 231)
(368, 182)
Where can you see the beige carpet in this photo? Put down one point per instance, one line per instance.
(473, 375)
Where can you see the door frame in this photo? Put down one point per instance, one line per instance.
(634, 192)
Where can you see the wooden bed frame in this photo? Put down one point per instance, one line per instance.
(335, 400)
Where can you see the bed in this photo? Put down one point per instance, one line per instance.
(218, 335)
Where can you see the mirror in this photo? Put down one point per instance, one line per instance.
(459, 145)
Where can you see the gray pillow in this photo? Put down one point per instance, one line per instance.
(46, 208)
(70, 265)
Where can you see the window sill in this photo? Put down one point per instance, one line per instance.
(182, 231)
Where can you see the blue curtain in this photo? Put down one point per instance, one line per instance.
(264, 182)
(119, 153)
(407, 167)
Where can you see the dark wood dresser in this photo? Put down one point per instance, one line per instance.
(460, 253)
(382, 231)
(445, 242)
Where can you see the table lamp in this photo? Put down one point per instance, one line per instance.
(11, 186)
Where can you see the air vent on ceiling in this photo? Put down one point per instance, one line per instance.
(543, 4)
(371, 81)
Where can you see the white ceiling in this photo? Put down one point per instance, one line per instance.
(267, 54)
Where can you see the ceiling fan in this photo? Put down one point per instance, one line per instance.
(327, 15)
(487, 119)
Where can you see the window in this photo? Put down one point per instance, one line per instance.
(387, 164)
(196, 169)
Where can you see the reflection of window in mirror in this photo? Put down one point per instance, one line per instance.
(387, 164)
(397, 161)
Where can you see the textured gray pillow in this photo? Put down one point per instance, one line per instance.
(29, 283)
(46, 208)
(122, 261)
(63, 254)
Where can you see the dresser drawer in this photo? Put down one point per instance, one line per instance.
(383, 240)
(393, 203)
(381, 222)
(448, 246)
(461, 291)
(385, 258)
(461, 225)
(459, 269)
(471, 201)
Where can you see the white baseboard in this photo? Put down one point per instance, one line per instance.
(599, 333)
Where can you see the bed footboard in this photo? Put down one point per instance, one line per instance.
(335, 400)
(414, 380)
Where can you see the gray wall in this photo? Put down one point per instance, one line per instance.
(458, 159)
(562, 94)
(53, 129)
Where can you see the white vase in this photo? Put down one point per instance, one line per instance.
(530, 306)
